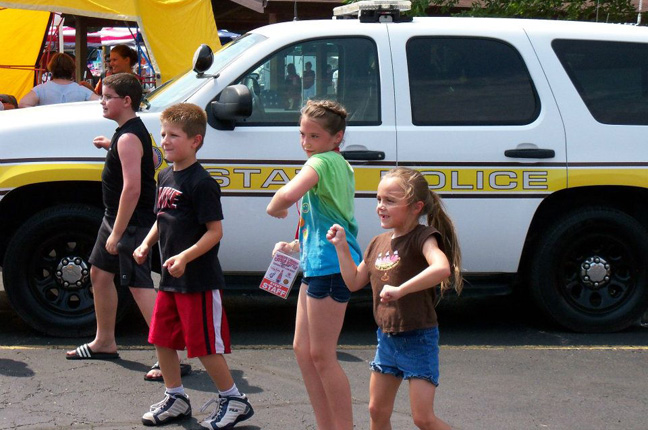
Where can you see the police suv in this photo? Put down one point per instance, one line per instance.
(534, 132)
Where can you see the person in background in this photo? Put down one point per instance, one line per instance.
(309, 81)
(122, 60)
(8, 102)
(61, 88)
(327, 79)
(292, 84)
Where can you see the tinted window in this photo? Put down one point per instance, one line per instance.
(469, 81)
(344, 69)
(611, 78)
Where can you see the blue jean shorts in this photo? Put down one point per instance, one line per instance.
(410, 354)
(320, 287)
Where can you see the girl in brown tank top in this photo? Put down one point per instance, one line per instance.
(404, 265)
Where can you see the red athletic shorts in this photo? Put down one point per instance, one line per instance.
(195, 321)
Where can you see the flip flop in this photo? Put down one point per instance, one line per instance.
(84, 352)
(185, 369)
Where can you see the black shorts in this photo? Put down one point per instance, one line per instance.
(131, 274)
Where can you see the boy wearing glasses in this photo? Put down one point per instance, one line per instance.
(128, 190)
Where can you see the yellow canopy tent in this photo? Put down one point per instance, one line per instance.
(172, 30)
(21, 38)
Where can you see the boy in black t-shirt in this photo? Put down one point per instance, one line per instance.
(188, 309)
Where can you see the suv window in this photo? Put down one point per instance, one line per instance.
(342, 69)
(469, 81)
(611, 78)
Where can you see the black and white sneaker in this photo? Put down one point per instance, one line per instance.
(229, 411)
(172, 407)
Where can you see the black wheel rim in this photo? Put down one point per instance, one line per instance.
(598, 271)
(53, 264)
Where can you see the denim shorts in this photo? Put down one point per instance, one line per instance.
(410, 354)
(320, 287)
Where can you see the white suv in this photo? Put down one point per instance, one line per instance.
(533, 132)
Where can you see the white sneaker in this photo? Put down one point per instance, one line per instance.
(229, 411)
(172, 407)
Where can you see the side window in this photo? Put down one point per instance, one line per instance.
(469, 81)
(344, 69)
(611, 78)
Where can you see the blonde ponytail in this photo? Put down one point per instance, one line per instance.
(438, 218)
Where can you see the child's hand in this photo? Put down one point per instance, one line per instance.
(101, 142)
(140, 253)
(284, 247)
(111, 244)
(336, 235)
(176, 266)
(390, 293)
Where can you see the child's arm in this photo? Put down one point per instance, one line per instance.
(130, 154)
(355, 277)
(176, 265)
(290, 193)
(141, 252)
(437, 271)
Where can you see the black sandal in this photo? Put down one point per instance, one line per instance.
(185, 369)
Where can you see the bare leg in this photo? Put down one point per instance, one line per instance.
(325, 319)
(105, 302)
(302, 347)
(318, 326)
(422, 404)
(382, 394)
(145, 299)
(216, 367)
(170, 366)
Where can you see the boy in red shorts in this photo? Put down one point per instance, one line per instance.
(188, 309)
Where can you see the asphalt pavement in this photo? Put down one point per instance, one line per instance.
(500, 370)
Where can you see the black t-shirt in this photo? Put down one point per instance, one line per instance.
(112, 178)
(187, 200)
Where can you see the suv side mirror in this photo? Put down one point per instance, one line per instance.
(203, 59)
(234, 102)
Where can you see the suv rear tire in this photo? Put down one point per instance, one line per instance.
(46, 272)
(589, 273)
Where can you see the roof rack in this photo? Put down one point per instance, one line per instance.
(374, 11)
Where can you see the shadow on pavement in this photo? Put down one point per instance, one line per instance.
(263, 320)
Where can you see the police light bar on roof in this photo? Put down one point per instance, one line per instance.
(374, 11)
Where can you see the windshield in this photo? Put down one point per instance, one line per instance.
(185, 84)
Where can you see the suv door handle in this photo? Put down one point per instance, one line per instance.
(530, 153)
(363, 155)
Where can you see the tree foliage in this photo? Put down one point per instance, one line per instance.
(583, 10)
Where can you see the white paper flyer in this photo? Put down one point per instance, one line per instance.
(281, 274)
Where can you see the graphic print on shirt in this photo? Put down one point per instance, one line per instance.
(386, 262)
(305, 208)
(168, 198)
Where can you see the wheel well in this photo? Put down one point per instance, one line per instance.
(631, 200)
(21, 203)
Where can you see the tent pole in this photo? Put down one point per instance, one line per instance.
(81, 48)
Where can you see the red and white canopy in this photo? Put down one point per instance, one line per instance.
(107, 36)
